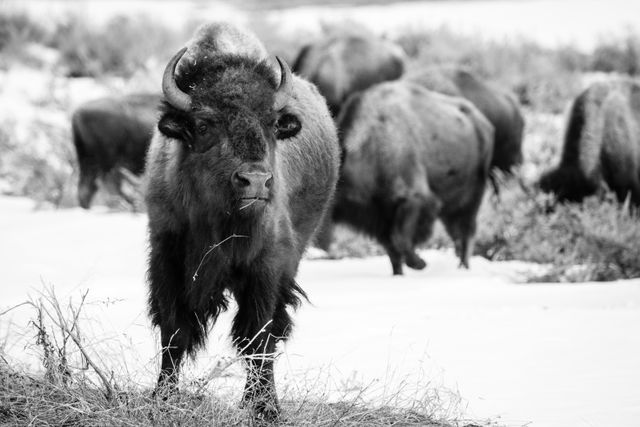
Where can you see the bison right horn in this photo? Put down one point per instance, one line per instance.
(172, 93)
(285, 89)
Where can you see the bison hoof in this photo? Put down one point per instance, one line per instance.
(265, 411)
(165, 391)
(415, 262)
(464, 265)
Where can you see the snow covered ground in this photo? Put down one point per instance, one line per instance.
(545, 354)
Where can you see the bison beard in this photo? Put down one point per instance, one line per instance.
(236, 188)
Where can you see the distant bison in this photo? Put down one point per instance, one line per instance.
(498, 105)
(109, 134)
(411, 156)
(344, 64)
(602, 144)
(240, 172)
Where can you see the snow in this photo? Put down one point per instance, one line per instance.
(545, 354)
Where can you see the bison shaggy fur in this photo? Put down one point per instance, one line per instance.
(237, 184)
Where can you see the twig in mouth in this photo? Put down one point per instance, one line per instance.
(248, 204)
(211, 248)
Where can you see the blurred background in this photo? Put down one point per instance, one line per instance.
(57, 55)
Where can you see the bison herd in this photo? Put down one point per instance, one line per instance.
(247, 161)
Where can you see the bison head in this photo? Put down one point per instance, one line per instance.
(227, 113)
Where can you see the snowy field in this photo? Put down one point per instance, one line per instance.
(536, 354)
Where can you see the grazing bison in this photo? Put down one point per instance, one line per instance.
(109, 134)
(498, 105)
(411, 156)
(347, 63)
(239, 174)
(601, 144)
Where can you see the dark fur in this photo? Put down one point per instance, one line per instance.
(499, 106)
(346, 64)
(601, 145)
(193, 206)
(411, 156)
(110, 133)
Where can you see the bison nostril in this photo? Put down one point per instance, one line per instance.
(240, 181)
(269, 182)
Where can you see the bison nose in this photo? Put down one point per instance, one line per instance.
(252, 183)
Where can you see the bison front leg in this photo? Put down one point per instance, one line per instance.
(259, 323)
(174, 345)
(403, 232)
(166, 276)
(462, 229)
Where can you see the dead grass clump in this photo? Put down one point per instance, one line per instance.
(77, 388)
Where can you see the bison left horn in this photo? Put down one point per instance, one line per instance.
(285, 89)
(172, 93)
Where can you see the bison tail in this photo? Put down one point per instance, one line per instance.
(78, 141)
(585, 132)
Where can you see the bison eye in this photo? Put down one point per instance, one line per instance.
(287, 126)
(202, 129)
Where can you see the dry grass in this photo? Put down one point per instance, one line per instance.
(77, 388)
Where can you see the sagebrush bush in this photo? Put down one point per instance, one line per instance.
(542, 78)
(42, 166)
(121, 47)
(17, 28)
(618, 55)
(600, 235)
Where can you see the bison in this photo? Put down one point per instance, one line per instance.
(498, 105)
(347, 63)
(410, 156)
(601, 144)
(109, 134)
(241, 169)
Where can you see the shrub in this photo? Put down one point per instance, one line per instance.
(42, 166)
(121, 47)
(18, 28)
(618, 55)
(545, 79)
(599, 236)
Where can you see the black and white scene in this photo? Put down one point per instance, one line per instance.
(320, 213)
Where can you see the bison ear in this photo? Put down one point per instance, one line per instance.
(176, 127)
(287, 126)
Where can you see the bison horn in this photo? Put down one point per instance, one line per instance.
(284, 91)
(173, 94)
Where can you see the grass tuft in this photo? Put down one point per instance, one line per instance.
(76, 389)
